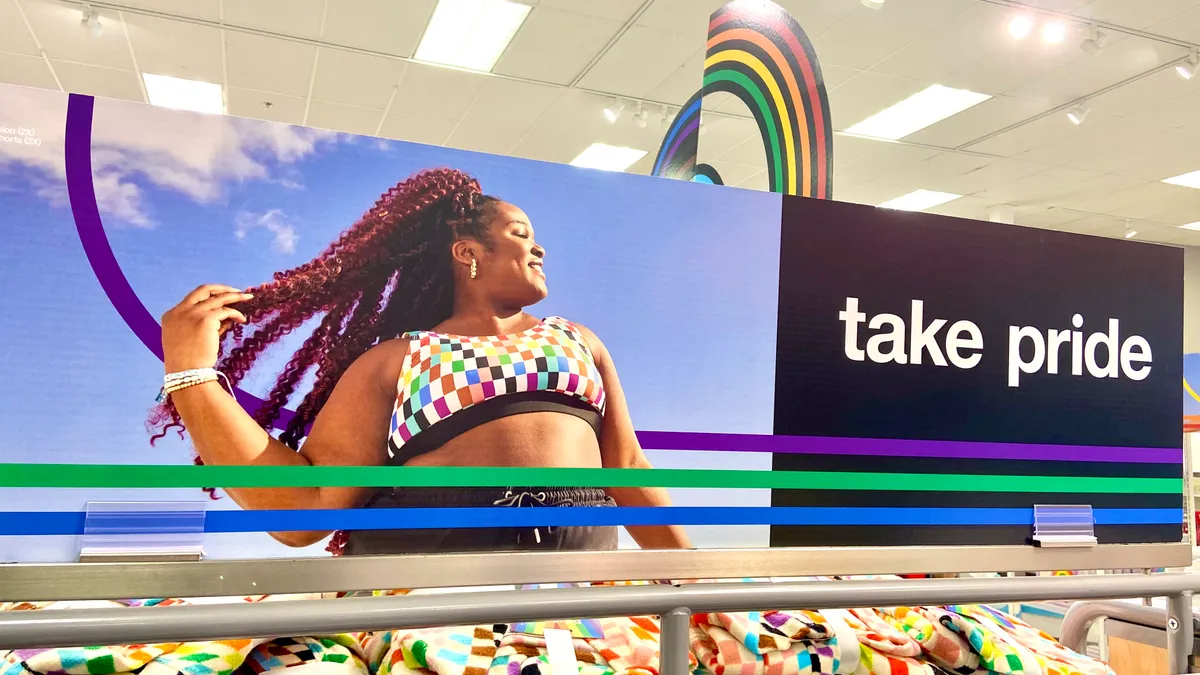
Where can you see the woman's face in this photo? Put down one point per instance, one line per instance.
(512, 268)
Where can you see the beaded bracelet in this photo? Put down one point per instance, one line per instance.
(173, 382)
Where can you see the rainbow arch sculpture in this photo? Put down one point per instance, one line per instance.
(760, 54)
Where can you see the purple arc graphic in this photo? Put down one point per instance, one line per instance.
(86, 212)
(82, 194)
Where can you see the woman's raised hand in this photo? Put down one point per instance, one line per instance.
(191, 330)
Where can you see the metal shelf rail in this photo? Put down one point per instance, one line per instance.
(673, 603)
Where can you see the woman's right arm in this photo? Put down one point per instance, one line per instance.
(350, 430)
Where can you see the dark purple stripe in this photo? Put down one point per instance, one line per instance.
(888, 447)
(82, 194)
(687, 131)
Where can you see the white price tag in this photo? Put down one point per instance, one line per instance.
(560, 651)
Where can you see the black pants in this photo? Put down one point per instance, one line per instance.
(380, 542)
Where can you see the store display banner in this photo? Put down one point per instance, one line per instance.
(798, 371)
(977, 349)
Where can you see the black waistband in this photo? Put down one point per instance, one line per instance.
(506, 405)
(479, 497)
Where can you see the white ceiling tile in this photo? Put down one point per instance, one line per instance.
(886, 159)
(268, 64)
(427, 130)
(1182, 216)
(687, 80)
(722, 134)
(866, 36)
(29, 71)
(1043, 216)
(355, 79)
(575, 121)
(156, 43)
(1117, 202)
(757, 181)
(1034, 185)
(555, 46)
(384, 26)
(640, 61)
(300, 18)
(931, 172)
(432, 91)
(992, 115)
(209, 10)
(614, 10)
(254, 104)
(349, 119)
(15, 37)
(866, 94)
(734, 174)
(1185, 26)
(1149, 91)
(968, 36)
(1066, 141)
(974, 208)
(750, 152)
(1082, 74)
(96, 81)
(56, 25)
(1139, 14)
(992, 176)
(501, 115)
(688, 17)
(818, 16)
(1077, 193)
(1024, 138)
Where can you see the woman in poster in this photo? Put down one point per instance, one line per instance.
(424, 356)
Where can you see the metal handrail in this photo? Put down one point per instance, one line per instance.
(56, 628)
(1080, 616)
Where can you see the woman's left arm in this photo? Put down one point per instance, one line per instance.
(619, 449)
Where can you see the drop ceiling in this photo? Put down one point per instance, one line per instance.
(347, 65)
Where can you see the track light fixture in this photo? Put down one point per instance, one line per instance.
(90, 20)
(1094, 42)
(1130, 233)
(872, 4)
(1078, 114)
(641, 116)
(1187, 68)
(612, 112)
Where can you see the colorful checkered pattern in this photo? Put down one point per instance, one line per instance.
(447, 373)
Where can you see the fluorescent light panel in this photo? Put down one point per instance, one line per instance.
(470, 34)
(180, 94)
(1195, 227)
(917, 112)
(919, 200)
(1191, 180)
(608, 157)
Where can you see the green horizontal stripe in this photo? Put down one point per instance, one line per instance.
(181, 476)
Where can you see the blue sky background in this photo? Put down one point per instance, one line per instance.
(679, 280)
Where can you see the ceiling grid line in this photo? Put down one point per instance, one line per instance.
(38, 44)
(137, 70)
(629, 23)
(312, 78)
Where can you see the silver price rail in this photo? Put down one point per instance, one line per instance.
(107, 580)
(59, 628)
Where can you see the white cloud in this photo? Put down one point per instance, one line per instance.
(193, 154)
(273, 221)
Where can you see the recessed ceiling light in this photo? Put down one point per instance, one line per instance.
(608, 157)
(180, 94)
(1191, 180)
(1192, 226)
(1054, 32)
(917, 112)
(1020, 27)
(919, 200)
(470, 34)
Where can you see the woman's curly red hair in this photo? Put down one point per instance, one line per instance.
(388, 274)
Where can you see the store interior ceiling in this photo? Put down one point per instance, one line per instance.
(1089, 105)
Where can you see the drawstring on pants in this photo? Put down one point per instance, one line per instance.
(530, 499)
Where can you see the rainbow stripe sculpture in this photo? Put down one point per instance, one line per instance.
(758, 52)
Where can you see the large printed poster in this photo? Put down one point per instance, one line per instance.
(793, 371)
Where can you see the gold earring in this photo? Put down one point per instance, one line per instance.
(474, 268)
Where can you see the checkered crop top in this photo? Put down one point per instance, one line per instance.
(451, 383)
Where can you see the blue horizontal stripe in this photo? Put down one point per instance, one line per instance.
(71, 522)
